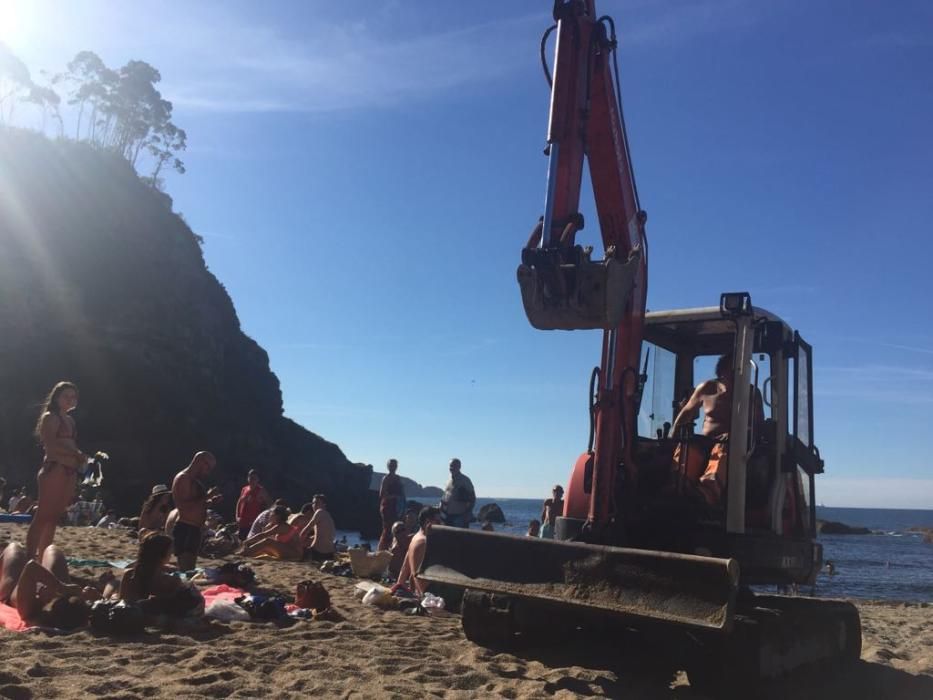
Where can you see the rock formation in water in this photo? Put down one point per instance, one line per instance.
(101, 283)
(412, 488)
(830, 527)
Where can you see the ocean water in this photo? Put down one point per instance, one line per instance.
(889, 564)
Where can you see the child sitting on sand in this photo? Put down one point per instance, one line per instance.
(400, 541)
(279, 540)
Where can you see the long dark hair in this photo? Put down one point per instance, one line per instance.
(50, 405)
(153, 500)
(152, 552)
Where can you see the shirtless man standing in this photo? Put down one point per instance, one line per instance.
(191, 500)
(408, 575)
(319, 534)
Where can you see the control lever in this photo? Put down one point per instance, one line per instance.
(667, 429)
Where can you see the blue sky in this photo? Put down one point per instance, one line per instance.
(365, 174)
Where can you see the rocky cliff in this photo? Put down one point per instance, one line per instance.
(101, 283)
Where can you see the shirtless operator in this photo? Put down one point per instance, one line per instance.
(715, 396)
(191, 500)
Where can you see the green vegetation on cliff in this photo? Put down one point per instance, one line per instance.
(101, 283)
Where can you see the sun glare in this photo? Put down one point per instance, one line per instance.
(9, 20)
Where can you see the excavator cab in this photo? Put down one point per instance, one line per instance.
(764, 516)
(672, 567)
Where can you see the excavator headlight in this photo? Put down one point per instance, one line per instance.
(735, 304)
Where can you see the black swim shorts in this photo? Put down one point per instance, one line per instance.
(187, 539)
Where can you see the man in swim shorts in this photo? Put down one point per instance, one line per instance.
(191, 499)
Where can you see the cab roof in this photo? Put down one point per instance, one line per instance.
(704, 331)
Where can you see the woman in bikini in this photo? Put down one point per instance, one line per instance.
(279, 540)
(58, 475)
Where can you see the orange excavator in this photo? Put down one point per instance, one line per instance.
(641, 544)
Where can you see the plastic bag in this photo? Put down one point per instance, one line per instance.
(227, 611)
(380, 596)
(431, 601)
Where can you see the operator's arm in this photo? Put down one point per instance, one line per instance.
(690, 409)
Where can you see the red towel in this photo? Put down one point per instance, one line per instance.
(221, 592)
(10, 619)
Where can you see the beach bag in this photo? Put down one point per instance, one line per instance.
(116, 617)
(369, 564)
(312, 595)
(262, 608)
(186, 602)
(236, 575)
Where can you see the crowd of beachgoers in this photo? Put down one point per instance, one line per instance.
(179, 523)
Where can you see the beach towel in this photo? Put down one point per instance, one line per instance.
(10, 619)
(98, 563)
(221, 592)
(15, 517)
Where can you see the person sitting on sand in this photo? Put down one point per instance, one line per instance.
(279, 540)
(109, 519)
(319, 534)
(534, 528)
(23, 504)
(401, 539)
(155, 511)
(265, 517)
(301, 519)
(148, 582)
(43, 593)
(408, 578)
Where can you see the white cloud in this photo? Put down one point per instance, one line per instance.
(222, 60)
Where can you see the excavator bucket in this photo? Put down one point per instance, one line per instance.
(578, 296)
(675, 589)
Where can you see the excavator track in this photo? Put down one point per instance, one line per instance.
(773, 637)
(520, 591)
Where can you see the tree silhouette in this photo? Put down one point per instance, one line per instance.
(15, 83)
(120, 110)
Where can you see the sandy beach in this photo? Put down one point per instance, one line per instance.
(374, 653)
